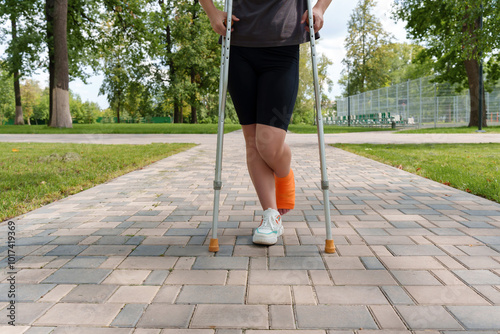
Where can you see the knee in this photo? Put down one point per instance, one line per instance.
(268, 151)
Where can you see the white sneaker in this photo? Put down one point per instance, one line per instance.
(270, 228)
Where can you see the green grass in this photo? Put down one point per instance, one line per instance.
(474, 168)
(302, 128)
(33, 174)
(128, 128)
(461, 129)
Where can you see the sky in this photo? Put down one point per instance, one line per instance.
(331, 44)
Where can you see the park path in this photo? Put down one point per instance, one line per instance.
(131, 255)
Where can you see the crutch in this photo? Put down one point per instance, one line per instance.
(224, 71)
(329, 245)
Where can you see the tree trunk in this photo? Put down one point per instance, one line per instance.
(61, 116)
(118, 105)
(19, 119)
(49, 17)
(194, 116)
(472, 69)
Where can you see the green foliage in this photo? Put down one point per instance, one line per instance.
(363, 44)
(450, 31)
(7, 105)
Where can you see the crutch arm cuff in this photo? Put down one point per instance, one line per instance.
(325, 185)
(217, 185)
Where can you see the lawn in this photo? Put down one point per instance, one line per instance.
(474, 168)
(303, 128)
(127, 128)
(35, 174)
(461, 129)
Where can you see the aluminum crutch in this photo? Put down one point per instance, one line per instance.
(224, 71)
(329, 245)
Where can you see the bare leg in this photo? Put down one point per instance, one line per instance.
(267, 154)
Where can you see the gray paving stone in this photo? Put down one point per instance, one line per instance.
(78, 276)
(67, 250)
(489, 240)
(135, 240)
(333, 317)
(201, 294)
(24, 292)
(445, 295)
(149, 250)
(235, 316)
(478, 277)
(186, 231)
(397, 296)
(362, 277)
(90, 293)
(85, 262)
(350, 295)
(157, 277)
(415, 277)
(67, 240)
(26, 313)
(188, 251)
(31, 241)
(129, 315)
(39, 330)
(477, 317)
(427, 317)
(296, 262)
(112, 240)
(301, 250)
(415, 250)
(155, 316)
(221, 263)
(371, 263)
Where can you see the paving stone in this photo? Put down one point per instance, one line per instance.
(300, 250)
(269, 294)
(362, 277)
(350, 295)
(387, 317)
(415, 250)
(478, 277)
(478, 262)
(154, 317)
(200, 294)
(125, 277)
(197, 277)
(89, 293)
(129, 315)
(80, 314)
(296, 262)
(78, 276)
(149, 250)
(188, 251)
(415, 277)
(234, 263)
(107, 250)
(67, 250)
(85, 262)
(148, 262)
(411, 262)
(25, 292)
(235, 316)
(397, 296)
(477, 317)
(372, 263)
(445, 295)
(339, 263)
(427, 317)
(281, 317)
(334, 317)
(26, 313)
(156, 277)
(134, 294)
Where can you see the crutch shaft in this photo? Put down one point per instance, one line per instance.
(224, 73)
(329, 245)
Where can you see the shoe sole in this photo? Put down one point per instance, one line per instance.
(267, 239)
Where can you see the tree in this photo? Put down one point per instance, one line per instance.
(24, 44)
(451, 33)
(365, 37)
(7, 105)
(57, 18)
(31, 93)
(304, 106)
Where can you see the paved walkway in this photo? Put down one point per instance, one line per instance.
(131, 255)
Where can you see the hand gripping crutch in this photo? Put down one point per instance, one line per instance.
(224, 71)
(329, 245)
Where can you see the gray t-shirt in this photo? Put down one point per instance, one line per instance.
(266, 23)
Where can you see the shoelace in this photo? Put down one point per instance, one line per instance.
(266, 222)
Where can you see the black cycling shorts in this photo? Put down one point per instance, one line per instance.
(263, 84)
